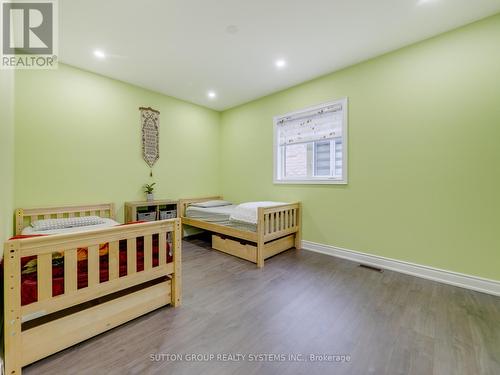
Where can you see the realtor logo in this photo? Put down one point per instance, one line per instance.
(29, 34)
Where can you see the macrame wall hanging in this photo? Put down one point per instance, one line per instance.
(150, 122)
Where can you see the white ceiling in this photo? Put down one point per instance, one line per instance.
(184, 48)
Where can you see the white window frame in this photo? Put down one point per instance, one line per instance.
(277, 169)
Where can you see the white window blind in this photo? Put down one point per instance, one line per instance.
(310, 145)
(325, 123)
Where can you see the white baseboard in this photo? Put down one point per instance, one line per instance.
(448, 277)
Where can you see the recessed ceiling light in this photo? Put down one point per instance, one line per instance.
(211, 94)
(280, 63)
(423, 2)
(232, 29)
(99, 54)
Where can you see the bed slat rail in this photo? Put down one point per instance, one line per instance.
(279, 221)
(70, 277)
(131, 256)
(26, 216)
(148, 252)
(44, 276)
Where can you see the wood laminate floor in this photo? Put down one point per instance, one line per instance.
(301, 303)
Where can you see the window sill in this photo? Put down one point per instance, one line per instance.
(310, 182)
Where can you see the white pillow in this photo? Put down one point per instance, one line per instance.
(70, 222)
(208, 204)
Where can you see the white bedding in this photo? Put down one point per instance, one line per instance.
(210, 214)
(218, 215)
(107, 223)
(247, 212)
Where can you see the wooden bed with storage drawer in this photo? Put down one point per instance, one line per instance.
(142, 273)
(278, 229)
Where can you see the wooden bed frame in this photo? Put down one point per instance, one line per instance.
(96, 308)
(278, 229)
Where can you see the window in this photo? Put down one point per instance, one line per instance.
(310, 145)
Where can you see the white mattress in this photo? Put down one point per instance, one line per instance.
(107, 223)
(210, 214)
(218, 215)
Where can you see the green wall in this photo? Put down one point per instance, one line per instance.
(424, 155)
(78, 141)
(6, 152)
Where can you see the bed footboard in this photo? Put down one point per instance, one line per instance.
(277, 222)
(24, 346)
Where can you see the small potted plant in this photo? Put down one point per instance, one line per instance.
(148, 189)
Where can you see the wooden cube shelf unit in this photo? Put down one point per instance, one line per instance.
(156, 209)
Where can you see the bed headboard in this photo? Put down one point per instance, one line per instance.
(25, 216)
(184, 203)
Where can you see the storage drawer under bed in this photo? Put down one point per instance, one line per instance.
(236, 248)
(248, 250)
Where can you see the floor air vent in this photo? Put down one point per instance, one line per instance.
(371, 268)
